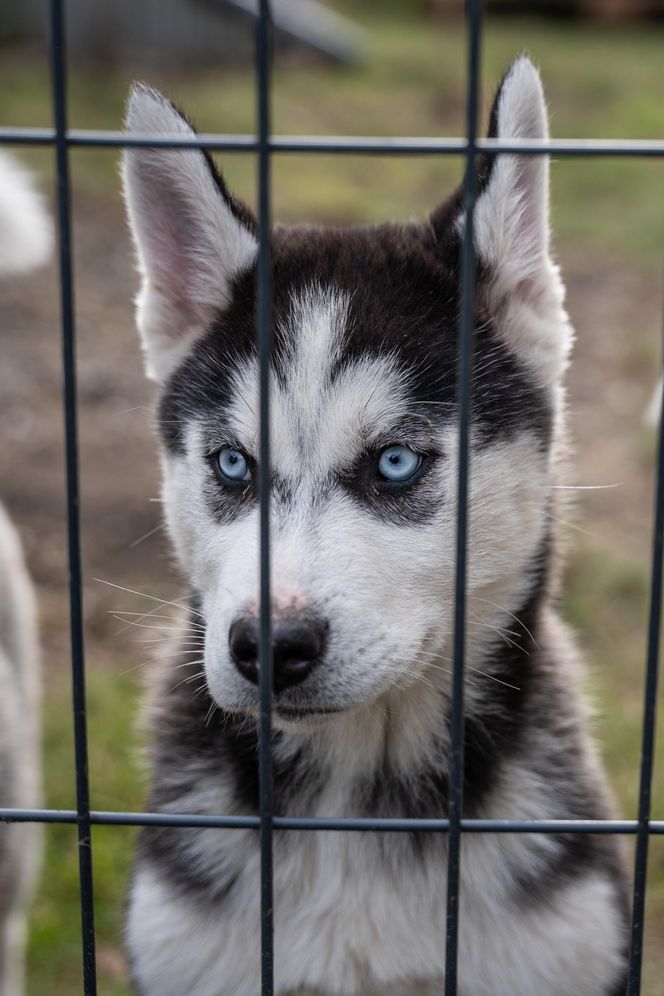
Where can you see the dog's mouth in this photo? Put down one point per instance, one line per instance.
(293, 714)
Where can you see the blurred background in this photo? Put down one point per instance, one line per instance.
(368, 67)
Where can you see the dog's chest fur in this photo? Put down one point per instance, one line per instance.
(363, 913)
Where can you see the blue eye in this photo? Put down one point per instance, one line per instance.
(233, 465)
(398, 463)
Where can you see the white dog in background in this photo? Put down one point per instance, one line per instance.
(26, 232)
(25, 242)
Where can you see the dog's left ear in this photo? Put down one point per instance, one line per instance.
(522, 286)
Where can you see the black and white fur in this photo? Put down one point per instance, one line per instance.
(25, 242)
(364, 356)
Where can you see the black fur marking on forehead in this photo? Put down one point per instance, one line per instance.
(402, 285)
(408, 306)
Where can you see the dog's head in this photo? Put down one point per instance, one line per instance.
(363, 412)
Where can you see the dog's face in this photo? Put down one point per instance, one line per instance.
(363, 414)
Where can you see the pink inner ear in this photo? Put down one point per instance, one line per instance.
(171, 267)
(532, 203)
(175, 251)
(533, 290)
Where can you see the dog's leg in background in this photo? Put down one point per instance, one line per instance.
(19, 753)
(25, 242)
(26, 231)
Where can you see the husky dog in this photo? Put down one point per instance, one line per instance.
(25, 242)
(364, 455)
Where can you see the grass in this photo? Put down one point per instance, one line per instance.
(600, 83)
(606, 601)
(116, 779)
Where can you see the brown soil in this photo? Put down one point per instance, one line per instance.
(119, 467)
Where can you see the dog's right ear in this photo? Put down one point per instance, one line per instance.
(523, 291)
(192, 237)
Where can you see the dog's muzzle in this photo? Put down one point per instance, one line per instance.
(298, 643)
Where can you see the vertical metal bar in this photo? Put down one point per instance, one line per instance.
(264, 320)
(649, 727)
(59, 83)
(466, 329)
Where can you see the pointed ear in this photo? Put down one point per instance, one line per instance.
(519, 284)
(512, 212)
(192, 237)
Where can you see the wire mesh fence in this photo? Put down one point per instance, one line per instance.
(265, 145)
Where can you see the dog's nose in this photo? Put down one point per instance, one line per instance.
(297, 645)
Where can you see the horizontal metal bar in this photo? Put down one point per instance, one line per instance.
(27, 136)
(107, 818)
(339, 144)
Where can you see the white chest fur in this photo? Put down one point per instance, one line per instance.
(345, 926)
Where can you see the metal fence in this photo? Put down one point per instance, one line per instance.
(265, 145)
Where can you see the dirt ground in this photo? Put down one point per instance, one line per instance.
(119, 467)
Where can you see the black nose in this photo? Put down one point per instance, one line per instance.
(297, 644)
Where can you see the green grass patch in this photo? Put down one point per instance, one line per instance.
(606, 600)
(54, 958)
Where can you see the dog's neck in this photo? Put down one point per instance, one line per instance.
(383, 755)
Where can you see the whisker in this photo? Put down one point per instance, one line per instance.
(140, 625)
(127, 411)
(189, 678)
(177, 653)
(143, 594)
(202, 688)
(150, 532)
(586, 487)
(153, 615)
(493, 677)
(136, 667)
(474, 621)
(502, 608)
(418, 659)
(571, 525)
(152, 611)
(502, 633)
(210, 713)
(159, 660)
